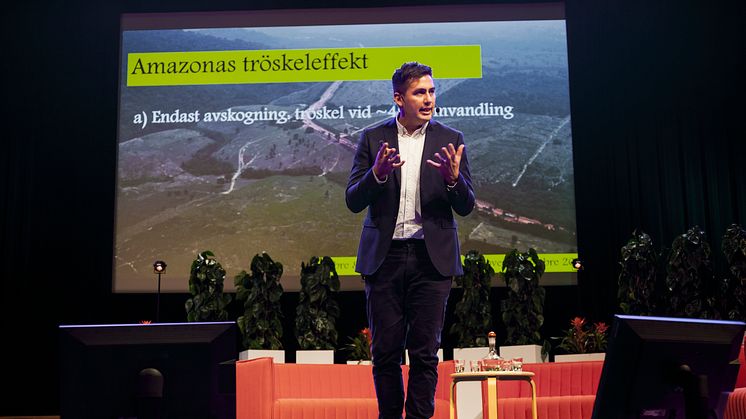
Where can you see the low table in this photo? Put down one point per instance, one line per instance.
(492, 377)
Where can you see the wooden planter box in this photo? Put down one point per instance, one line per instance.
(596, 356)
(314, 356)
(531, 354)
(277, 355)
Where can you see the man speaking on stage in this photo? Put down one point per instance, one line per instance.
(412, 174)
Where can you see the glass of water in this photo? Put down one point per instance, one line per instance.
(459, 365)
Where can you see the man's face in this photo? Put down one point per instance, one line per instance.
(417, 104)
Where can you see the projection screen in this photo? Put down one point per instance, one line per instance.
(237, 132)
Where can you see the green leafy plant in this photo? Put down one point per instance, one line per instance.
(473, 311)
(359, 346)
(317, 311)
(734, 248)
(583, 337)
(636, 291)
(733, 298)
(523, 309)
(261, 323)
(208, 303)
(689, 279)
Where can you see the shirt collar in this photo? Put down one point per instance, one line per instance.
(403, 131)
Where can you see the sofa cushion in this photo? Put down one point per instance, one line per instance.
(327, 408)
(564, 378)
(550, 407)
(351, 408)
(303, 381)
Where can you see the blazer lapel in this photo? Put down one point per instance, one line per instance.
(432, 146)
(391, 136)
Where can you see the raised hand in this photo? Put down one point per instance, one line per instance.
(448, 163)
(387, 160)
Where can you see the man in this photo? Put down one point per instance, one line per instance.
(409, 248)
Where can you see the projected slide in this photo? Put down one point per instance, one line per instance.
(239, 138)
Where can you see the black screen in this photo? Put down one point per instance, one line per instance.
(652, 362)
(101, 365)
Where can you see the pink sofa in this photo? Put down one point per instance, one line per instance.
(564, 390)
(265, 390)
(736, 407)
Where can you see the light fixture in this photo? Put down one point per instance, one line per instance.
(159, 267)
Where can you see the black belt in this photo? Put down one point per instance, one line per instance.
(397, 243)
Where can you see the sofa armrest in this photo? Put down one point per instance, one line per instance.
(736, 406)
(443, 388)
(741, 378)
(255, 388)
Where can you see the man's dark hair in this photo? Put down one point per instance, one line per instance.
(408, 72)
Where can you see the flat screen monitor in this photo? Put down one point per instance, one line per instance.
(668, 368)
(102, 367)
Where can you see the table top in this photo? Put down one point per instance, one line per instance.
(500, 375)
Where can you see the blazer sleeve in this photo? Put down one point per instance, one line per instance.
(362, 187)
(461, 196)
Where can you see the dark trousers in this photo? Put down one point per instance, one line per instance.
(406, 303)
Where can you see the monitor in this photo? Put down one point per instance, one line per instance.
(668, 368)
(110, 371)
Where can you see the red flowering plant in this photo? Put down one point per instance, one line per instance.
(583, 337)
(359, 347)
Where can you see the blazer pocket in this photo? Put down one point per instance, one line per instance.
(448, 223)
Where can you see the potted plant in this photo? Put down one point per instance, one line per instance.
(317, 312)
(261, 323)
(473, 311)
(359, 348)
(734, 295)
(690, 280)
(637, 280)
(208, 303)
(583, 341)
(523, 309)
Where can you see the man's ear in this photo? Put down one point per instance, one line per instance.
(398, 99)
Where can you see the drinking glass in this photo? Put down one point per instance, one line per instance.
(459, 365)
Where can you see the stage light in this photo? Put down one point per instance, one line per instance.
(159, 267)
(577, 264)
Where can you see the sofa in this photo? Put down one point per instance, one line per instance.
(564, 390)
(568, 391)
(736, 407)
(265, 390)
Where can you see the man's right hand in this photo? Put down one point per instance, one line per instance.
(387, 160)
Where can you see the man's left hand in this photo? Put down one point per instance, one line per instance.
(448, 163)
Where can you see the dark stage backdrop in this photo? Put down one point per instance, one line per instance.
(656, 99)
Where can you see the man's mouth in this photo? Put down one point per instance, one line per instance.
(426, 110)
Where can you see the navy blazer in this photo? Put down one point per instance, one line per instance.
(382, 200)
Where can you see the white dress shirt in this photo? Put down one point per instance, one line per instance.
(409, 219)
